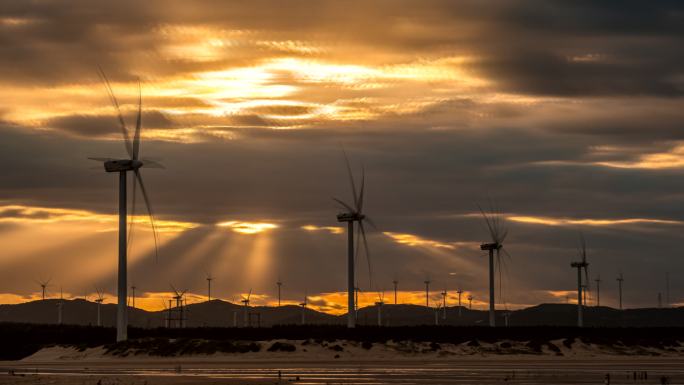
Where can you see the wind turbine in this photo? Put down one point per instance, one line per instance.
(580, 265)
(620, 279)
(209, 279)
(598, 290)
(381, 301)
(395, 283)
(498, 232)
(245, 302)
(44, 285)
(303, 305)
(427, 292)
(122, 166)
(354, 214)
(280, 285)
(133, 287)
(470, 302)
(99, 300)
(459, 291)
(178, 297)
(444, 299)
(60, 306)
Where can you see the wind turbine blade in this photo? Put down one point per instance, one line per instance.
(138, 122)
(351, 180)
(489, 224)
(115, 103)
(149, 211)
(147, 163)
(371, 222)
(363, 186)
(100, 159)
(174, 289)
(346, 206)
(250, 294)
(506, 253)
(367, 251)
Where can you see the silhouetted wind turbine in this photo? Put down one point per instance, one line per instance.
(280, 285)
(209, 279)
(354, 214)
(581, 265)
(179, 304)
(427, 292)
(44, 285)
(444, 300)
(133, 287)
(498, 232)
(60, 306)
(395, 283)
(122, 166)
(470, 302)
(245, 302)
(598, 290)
(379, 303)
(99, 300)
(620, 279)
(303, 305)
(459, 291)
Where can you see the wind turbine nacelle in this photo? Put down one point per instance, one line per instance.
(118, 165)
(489, 246)
(349, 217)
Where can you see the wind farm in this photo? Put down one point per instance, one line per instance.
(326, 192)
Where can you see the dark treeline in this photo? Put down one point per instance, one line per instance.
(21, 340)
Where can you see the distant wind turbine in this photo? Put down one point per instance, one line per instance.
(280, 285)
(245, 302)
(379, 303)
(444, 300)
(122, 166)
(460, 292)
(99, 300)
(354, 214)
(581, 265)
(619, 280)
(498, 232)
(303, 305)
(598, 290)
(427, 292)
(395, 283)
(209, 279)
(60, 305)
(180, 305)
(470, 302)
(44, 284)
(133, 287)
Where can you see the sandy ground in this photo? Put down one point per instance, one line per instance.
(383, 364)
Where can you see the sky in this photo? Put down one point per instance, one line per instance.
(564, 116)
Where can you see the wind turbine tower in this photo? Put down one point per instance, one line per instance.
(99, 300)
(460, 292)
(498, 232)
(351, 215)
(427, 292)
(209, 279)
(444, 301)
(245, 302)
(581, 265)
(395, 283)
(303, 305)
(620, 279)
(470, 302)
(280, 285)
(60, 306)
(123, 166)
(133, 287)
(598, 290)
(381, 298)
(44, 285)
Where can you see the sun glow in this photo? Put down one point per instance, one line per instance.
(414, 240)
(248, 227)
(330, 229)
(549, 221)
